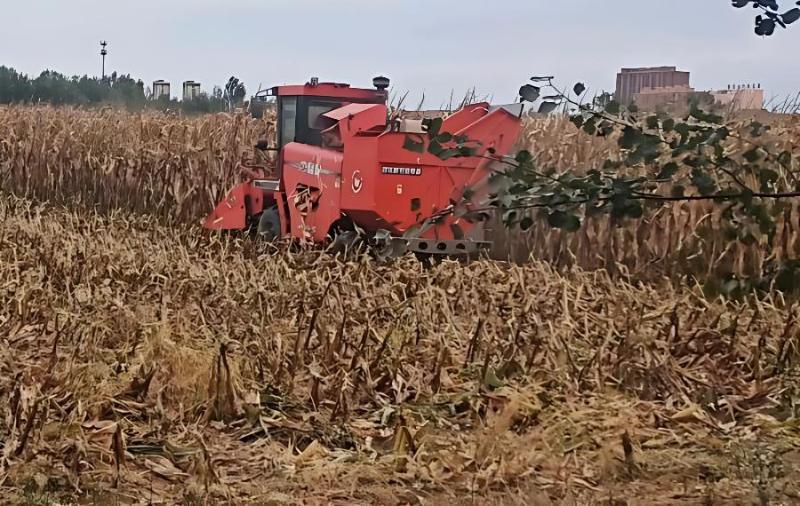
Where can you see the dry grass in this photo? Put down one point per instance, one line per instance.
(139, 363)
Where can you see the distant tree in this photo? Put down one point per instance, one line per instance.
(204, 104)
(234, 93)
(14, 87)
(601, 100)
(771, 15)
(119, 89)
(55, 88)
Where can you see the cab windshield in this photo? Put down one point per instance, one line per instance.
(301, 117)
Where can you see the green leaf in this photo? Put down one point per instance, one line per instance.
(634, 210)
(613, 107)
(668, 170)
(529, 93)
(435, 148)
(752, 155)
(411, 145)
(524, 156)
(767, 177)
(467, 151)
(579, 88)
(668, 124)
(704, 183)
(791, 16)
(683, 130)
(564, 221)
(605, 128)
(701, 115)
(589, 126)
(446, 154)
(510, 217)
(631, 137)
(432, 126)
(720, 134)
(785, 159)
(444, 138)
(547, 107)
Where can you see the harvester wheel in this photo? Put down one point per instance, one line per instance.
(269, 225)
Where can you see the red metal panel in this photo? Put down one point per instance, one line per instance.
(331, 90)
(312, 183)
(403, 186)
(357, 118)
(231, 214)
(465, 117)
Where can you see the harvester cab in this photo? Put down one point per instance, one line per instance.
(343, 167)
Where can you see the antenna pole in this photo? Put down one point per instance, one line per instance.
(103, 53)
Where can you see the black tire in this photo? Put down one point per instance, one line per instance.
(269, 225)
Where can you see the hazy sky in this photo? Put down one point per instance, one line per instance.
(433, 46)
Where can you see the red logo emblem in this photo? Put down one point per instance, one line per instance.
(358, 183)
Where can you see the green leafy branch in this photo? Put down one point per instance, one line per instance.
(662, 159)
(770, 16)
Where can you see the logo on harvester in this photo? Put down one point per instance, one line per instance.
(402, 171)
(312, 168)
(358, 183)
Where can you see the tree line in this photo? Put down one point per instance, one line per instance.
(120, 90)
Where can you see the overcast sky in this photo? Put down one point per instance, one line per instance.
(430, 46)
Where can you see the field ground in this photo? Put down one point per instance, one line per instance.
(142, 364)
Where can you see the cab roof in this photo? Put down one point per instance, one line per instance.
(339, 90)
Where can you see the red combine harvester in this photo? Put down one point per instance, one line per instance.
(343, 171)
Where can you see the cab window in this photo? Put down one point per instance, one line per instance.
(316, 120)
(287, 115)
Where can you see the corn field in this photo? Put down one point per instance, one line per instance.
(177, 169)
(173, 168)
(145, 362)
(140, 358)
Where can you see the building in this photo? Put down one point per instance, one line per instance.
(161, 89)
(631, 81)
(668, 97)
(742, 97)
(191, 90)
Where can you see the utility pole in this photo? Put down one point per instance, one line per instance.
(103, 53)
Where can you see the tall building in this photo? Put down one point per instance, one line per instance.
(631, 81)
(191, 90)
(161, 89)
